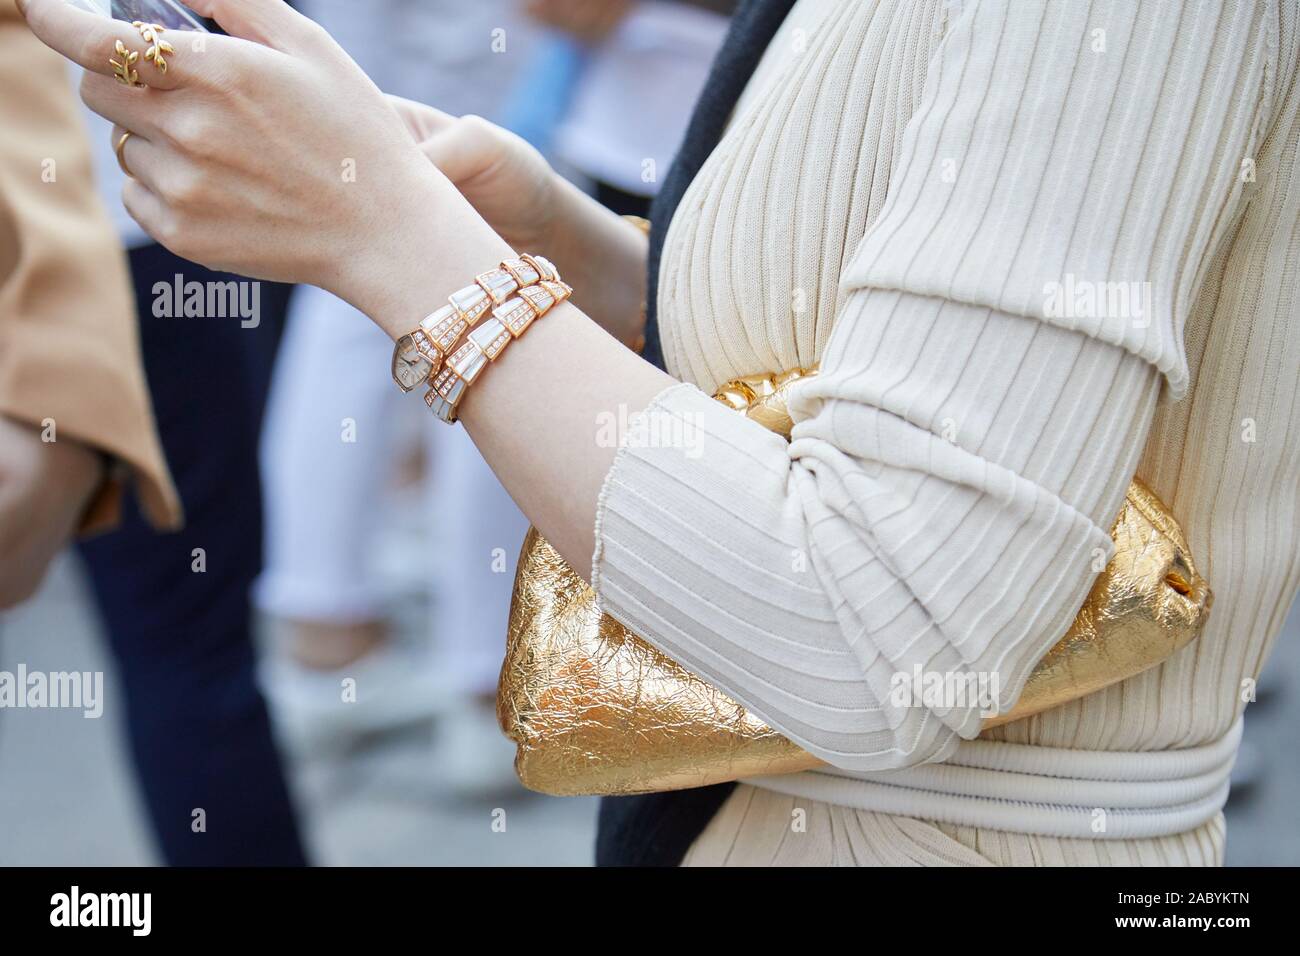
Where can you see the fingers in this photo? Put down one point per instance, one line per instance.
(462, 148)
(139, 157)
(165, 193)
(423, 121)
(271, 23)
(148, 210)
(140, 111)
(91, 41)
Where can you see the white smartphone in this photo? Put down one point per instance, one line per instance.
(165, 13)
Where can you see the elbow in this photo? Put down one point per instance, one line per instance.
(902, 728)
(928, 741)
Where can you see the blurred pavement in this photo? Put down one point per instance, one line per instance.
(68, 795)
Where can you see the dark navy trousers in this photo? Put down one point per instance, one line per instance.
(199, 732)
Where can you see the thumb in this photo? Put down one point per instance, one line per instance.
(422, 121)
(271, 23)
(464, 148)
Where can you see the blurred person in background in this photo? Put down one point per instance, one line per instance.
(75, 417)
(331, 456)
(643, 63)
(76, 427)
(176, 606)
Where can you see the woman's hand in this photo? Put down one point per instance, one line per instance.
(44, 489)
(514, 189)
(504, 178)
(279, 158)
(270, 153)
(276, 158)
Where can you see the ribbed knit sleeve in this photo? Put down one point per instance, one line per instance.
(985, 394)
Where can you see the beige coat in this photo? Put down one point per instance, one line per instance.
(68, 344)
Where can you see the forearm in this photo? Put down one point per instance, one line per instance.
(540, 416)
(536, 414)
(801, 579)
(603, 257)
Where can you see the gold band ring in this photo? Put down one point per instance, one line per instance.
(150, 33)
(120, 150)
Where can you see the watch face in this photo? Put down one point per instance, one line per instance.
(410, 368)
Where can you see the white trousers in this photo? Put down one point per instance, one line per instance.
(333, 436)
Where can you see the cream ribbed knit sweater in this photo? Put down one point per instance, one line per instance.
(1068, 208)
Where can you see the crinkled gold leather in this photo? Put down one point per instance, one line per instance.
(594, 709)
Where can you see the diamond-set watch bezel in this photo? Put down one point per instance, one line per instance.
(407, 357)
(425, 347)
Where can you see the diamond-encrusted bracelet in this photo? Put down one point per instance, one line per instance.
(419, 354)
(489, 339)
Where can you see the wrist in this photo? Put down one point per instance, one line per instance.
(429, 244)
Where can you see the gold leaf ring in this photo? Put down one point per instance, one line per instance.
(149, 32)
(124, 65)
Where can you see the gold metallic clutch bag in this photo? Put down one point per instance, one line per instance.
(594, 709)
